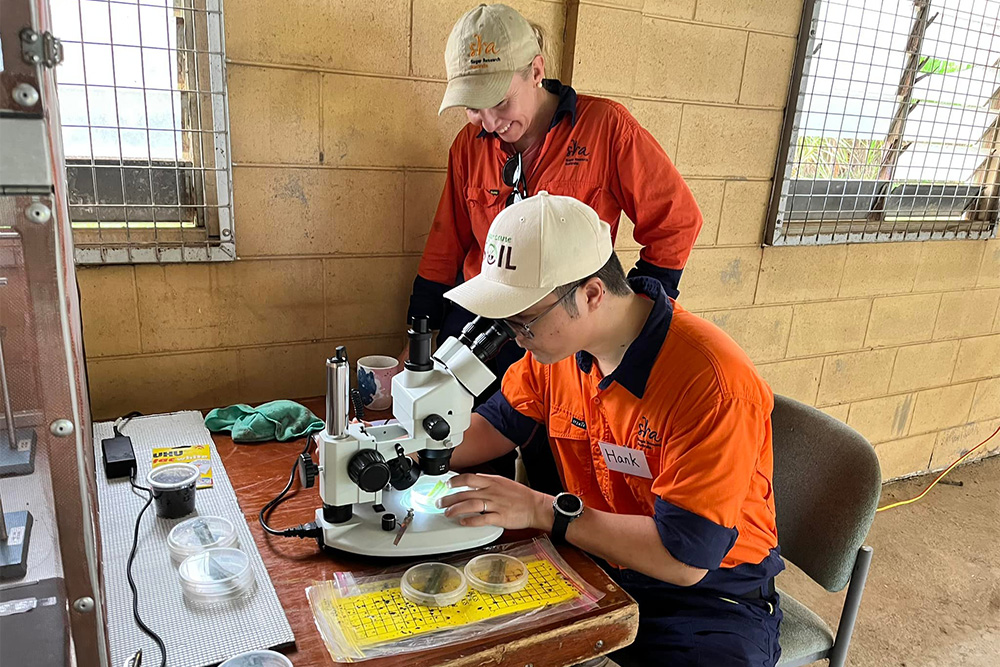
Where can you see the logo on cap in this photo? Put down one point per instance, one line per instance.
(478, 52)
(479, 47)
(498, 252)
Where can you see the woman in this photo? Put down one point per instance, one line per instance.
(526, 134)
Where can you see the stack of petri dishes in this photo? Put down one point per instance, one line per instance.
(199, 534)
(216, 575)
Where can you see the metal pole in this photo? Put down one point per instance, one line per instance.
(838, 654)
(337, 389)
(3, 523)
(8, 412)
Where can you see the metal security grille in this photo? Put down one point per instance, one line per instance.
(145, 129)
(892, 129)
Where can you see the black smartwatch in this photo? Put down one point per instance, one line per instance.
(565, 508)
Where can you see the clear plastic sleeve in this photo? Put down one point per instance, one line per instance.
(361, 618)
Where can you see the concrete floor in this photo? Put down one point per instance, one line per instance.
(933, 593)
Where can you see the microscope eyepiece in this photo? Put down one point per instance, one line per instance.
(472, 330)
(489, 341)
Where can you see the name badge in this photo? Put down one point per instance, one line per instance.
(626, 460)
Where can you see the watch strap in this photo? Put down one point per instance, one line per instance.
(560, 523)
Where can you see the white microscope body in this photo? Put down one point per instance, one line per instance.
(368, 482)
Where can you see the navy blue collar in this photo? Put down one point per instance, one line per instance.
(566, 106)
(633, 372)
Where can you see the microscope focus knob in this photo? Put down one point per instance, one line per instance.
(437, 427)
(307, 470)
(368, 470)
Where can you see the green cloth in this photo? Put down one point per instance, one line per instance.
(277, 420)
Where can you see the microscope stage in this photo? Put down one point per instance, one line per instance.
(431, 532)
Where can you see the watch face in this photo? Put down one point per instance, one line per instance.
(568, 503)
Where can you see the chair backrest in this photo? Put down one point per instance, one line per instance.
(827, 483)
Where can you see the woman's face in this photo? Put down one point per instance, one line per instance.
(511, 118)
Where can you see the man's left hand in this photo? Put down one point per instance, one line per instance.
(497, 501)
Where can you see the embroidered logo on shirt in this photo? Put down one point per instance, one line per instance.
(646, 436)
(579, 422)
(576, 154)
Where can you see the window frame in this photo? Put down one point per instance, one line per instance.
(870, 229)
(202, 194)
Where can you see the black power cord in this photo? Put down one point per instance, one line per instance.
(131, 582)
(302, 530)
(118, 425)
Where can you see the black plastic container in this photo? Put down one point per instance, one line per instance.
(173, 487)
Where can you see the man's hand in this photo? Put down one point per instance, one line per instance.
(631, 541)
(497, 501)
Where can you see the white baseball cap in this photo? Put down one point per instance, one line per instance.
(488, 45)
(533, 247)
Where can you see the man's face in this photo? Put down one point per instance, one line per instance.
(555, 334)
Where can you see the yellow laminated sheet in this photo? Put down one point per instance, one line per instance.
(378, 616)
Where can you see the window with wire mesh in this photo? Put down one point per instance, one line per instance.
(894, 130)
(145, 129)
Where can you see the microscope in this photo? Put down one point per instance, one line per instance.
(379, 501)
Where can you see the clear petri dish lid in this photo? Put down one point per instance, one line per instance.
(496, 574)
(198, 534)
(172, 475)
(216, 575)
(433, 584)
(258, 659)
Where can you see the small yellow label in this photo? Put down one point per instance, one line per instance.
(199, 456)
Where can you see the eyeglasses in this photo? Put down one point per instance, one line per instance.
(524, 329)
(513, 176)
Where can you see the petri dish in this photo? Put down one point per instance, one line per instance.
(258, 659)
(433, 584)
(496, 574)
(423, 495)
(216, 575)
(199, 534)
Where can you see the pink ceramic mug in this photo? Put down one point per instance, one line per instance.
(375, 373)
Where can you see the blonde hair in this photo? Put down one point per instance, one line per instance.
(525, 71)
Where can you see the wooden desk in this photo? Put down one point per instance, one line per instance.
(259, 472)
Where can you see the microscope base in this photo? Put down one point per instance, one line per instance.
(14, 549)
(429, 533)
(19, 459)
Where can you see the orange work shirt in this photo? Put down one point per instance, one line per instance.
(594, 151)
(687, 401)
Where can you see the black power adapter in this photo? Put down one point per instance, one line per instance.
(119, 457)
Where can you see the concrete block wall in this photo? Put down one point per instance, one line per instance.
(339, 160)
(900, 340)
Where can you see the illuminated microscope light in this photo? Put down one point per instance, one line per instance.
(428, 489)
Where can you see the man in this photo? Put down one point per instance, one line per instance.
(660, 427)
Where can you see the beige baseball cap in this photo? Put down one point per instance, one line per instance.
(533, 247)
(486, 47)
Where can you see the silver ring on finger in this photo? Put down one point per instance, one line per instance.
(484, 508)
